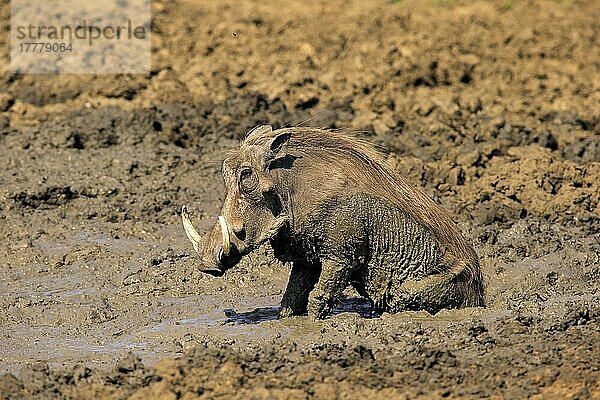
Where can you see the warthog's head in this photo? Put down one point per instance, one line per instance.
(253, 211)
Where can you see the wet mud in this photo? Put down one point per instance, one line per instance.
(492, 107)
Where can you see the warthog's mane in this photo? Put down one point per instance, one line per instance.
(331, 145)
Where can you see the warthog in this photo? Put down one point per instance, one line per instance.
(327, 203)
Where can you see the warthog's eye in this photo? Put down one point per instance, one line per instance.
(248, 180)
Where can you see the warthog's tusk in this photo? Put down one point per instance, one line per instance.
(190, 231)
(225, 235)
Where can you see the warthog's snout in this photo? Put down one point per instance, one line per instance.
(218, 253)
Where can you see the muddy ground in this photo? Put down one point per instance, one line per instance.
(493, 107)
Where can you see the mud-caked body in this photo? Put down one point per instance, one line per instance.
(328, 203)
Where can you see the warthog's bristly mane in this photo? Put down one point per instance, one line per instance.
(330, 144)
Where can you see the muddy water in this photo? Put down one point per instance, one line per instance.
(492, 107)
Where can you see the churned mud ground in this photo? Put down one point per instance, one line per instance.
(493, 107)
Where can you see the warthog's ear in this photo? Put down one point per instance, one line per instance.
(276, 148)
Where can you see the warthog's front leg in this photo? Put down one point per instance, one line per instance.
(332, 282)
(303, 278)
